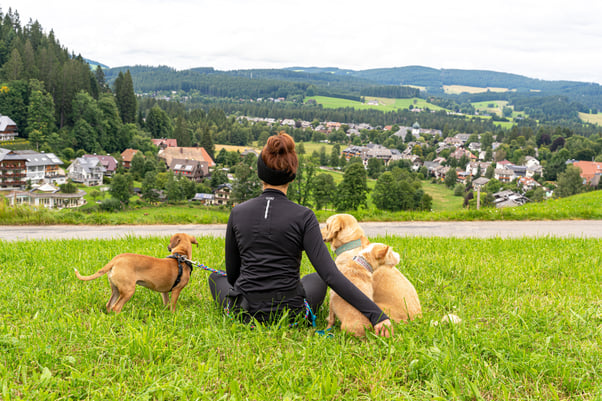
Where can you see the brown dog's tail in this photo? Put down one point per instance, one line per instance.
(107, 268)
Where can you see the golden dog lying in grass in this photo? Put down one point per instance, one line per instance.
(391, 290)
(165, 275)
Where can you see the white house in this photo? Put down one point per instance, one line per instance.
(42, 167)
(8, 129)
(87, 170)
(47, 196)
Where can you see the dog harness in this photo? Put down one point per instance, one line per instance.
(348, 246)
(181, 259)
(360, 260)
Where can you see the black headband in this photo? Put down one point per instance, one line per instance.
(271, 176)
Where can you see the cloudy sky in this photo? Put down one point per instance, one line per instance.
(547, 39)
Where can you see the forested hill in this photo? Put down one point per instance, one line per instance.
(297, 82)
(434, 79)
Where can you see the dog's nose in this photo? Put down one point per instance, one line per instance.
(168, 248)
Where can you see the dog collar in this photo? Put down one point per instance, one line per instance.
(360, 260)
(348, 246)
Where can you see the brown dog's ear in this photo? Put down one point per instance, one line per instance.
(174, 241)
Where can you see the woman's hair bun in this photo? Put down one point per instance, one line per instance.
(279, 153)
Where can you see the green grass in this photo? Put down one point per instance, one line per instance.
(311, 147)
(531, 311)
(386, 104)
(591, 118)
(445, 208)
(443, 197)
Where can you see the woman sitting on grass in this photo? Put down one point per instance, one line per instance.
(265, 238)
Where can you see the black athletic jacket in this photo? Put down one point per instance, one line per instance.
(265, 238)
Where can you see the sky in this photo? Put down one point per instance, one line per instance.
(547, 39)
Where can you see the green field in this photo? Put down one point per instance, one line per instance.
(531, 315)
(443, 198)
(591, 118)
(385, 104)
(311, 147)
(445, 208)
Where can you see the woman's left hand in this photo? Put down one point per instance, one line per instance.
(384, 328)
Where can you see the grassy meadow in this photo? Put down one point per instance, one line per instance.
(445, 208)
(531, 314)
(385, 104)
(458, 89)
(591, 118)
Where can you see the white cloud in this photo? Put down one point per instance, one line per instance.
(547, 40)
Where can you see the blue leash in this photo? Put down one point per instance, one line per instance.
(309, 314)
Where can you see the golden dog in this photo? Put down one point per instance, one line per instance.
(359, 271)
(166, 275)
(345, 235)
(391, 290)
(394, 293)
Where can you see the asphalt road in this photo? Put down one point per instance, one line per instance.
(476, 229)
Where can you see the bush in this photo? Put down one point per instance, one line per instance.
(459, 190)
(110, 205)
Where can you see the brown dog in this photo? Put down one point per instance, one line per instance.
(166, 275)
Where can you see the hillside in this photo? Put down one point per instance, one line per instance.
(540, 99)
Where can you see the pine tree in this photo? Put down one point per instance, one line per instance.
(207, 143)
(125, 97)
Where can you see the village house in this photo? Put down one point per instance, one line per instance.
(453, 141)
(459, 153)
(127, 156)
(463, 138)
(187, 153)
(504, 174)
(163, 143)
(353, 151)
(375, 151)
(474, 167)
(203, 198)
(86, 170)
(431, 167)
(108, 162)
(13, 170)
(508, 198)
(527, 183)
(474, 147)
(440, 172)
(192, 169)
(590, 172)
(43, 167)
(8, 129)
(221, 195)
(480, 182)
(47, 196)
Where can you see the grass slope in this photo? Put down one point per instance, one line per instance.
(531, 315)
(591, 118)
(446, 208)
(384, 104)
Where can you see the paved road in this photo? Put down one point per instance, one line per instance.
(478, 229)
